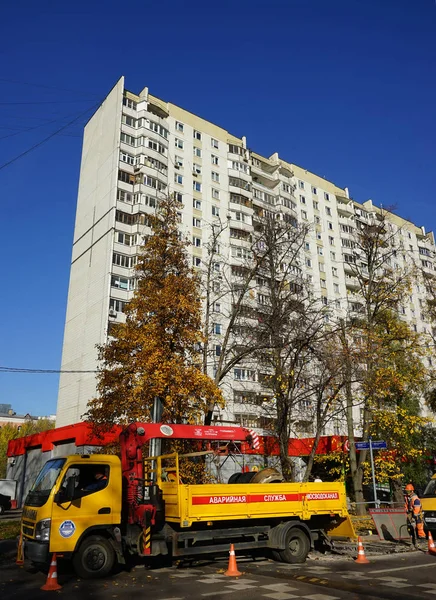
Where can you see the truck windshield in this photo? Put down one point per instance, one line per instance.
(44, 483)
(430, 490)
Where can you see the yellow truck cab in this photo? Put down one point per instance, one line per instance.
(72, 497)
(428, 501)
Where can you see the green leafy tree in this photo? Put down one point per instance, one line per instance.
(156, 353)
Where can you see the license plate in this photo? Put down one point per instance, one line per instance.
(430, 519)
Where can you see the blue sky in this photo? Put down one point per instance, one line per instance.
(345, 88)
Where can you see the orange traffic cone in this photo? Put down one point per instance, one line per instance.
(20, 556)
(361, 558)
(431, 546)
(52, 577)
(232, 571)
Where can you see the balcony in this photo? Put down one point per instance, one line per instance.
(158, 107)
(268, 172)
(264, 183)
(344, 206)
(351, 282)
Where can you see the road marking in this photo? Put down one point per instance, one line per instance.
(402, 568)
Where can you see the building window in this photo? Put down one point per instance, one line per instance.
(214, 159)
(286, 187)
(122, 283)
(178, 178)
(117, 305)
(214, 143)
(125, 238)
(330, 226)
(179, 126)
(323, 283)
(244, 374)
(217, 350)
(316, 205)
(334, 271)
(215, 211)
(301, 185)
(320, 250)
(196, 204)
(215, 194)
(178, 161)
(217, 328)
(326, 196)
(129, 103)
(328, 211)
(215, 176)
(196, 262)
(122, 260)
(304, 215)
(197, 152)
(333, 255)
(308, 262)
(306, 246)
(128, 139)
(197, 135)
(196, 186)
(124, 196)
(196, 222)
(127, 158)
(178, 143)
(302, 199)
(331, 240)
(336, 288)
(314, 191)
(196, 241)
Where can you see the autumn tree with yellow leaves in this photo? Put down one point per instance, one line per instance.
(156, 353)
(381, 354)
(405, 434)
(10, 432)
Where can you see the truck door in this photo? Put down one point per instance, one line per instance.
(89, 485)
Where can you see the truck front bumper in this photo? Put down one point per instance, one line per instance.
(37, 552)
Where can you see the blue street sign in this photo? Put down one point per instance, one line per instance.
(376, 445)
(379, 445)
(362, 445)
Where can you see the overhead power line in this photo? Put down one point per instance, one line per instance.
(43, 102)
(58, 131)
(26, 129)
(47, 87)
(23, 370)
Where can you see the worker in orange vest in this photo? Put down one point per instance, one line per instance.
(415, 516)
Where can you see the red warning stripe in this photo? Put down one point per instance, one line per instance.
(264, 498)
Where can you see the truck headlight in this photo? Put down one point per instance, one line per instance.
(42, 530)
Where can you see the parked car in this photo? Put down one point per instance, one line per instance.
(5, 503)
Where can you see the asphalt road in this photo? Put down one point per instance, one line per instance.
(405, 576)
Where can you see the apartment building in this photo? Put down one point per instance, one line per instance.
(137, 149)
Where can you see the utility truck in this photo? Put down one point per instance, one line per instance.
(96, 510)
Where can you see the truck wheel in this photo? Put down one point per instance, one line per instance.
(297, 547)
(95, 558)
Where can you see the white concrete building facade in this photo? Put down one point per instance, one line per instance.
(138, 148)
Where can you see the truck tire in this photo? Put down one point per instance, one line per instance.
(2, 509)
(297, 547)
(95, 558)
